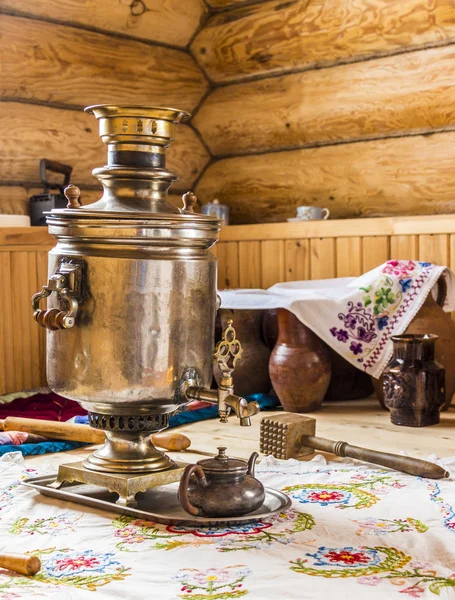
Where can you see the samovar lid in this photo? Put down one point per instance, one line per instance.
(135, 181)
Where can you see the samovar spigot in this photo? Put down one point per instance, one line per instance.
(227, 352)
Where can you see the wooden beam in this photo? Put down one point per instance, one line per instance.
(227, 4)
(166, 21)
(30, 132)
(276, 37)
(396, 95)
(403, 229)
(57, 64)
(409, 175)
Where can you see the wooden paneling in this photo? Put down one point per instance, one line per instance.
(434, 248)
(272, 262)
(391, 96)
(394, 177)
(30, 132)
(297, 259)
(47, 62)
(323, 258)
(250, 265)
(167, 21)
(375, 251)
(403, 247)
(275, 37)
(349, 257)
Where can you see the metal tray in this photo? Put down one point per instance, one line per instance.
(160, 505)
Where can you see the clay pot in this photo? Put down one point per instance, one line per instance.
(270, 327)
(251, 375)
(299, 366)
(347, 382)
(414, 381)
(431, 319)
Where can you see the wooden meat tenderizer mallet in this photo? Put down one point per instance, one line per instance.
(291, 435)
(83, 433)
(25, 564)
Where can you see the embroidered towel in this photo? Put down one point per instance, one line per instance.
(355, 315)
(354, 532)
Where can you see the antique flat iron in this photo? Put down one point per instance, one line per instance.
(131, 303)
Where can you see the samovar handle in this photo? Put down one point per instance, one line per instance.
(54, 318)
(66, 282)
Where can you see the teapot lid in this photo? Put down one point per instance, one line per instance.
(223, 464)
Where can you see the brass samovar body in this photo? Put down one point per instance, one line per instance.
(131, 297)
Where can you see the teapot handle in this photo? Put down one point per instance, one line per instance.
(183, 487)
(252, 463)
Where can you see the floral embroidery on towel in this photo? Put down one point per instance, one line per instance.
(367, 324)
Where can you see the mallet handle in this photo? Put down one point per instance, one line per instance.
(82, 433)
(406, 464)
(20, 563)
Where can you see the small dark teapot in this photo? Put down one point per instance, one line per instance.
(224, 487)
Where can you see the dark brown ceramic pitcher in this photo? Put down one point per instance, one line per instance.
(299, 366)
(432, 319)
(413, 382)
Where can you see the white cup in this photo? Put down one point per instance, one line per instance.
(309, 213)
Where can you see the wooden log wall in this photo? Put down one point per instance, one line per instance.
(342, 104)
(249, 256)
(58, 58)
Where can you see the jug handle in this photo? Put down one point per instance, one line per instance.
(442, 290)
(252, 463)
(183, 487)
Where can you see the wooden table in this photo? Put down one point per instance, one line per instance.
(360, 422)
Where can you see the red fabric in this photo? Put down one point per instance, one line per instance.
(54, 408)
(42, 406)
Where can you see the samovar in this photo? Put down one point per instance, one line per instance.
(131, 304)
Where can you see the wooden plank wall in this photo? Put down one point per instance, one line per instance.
(335, 103)
(258, 256)
(249, 256)
(58, 58)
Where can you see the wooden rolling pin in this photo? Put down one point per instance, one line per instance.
(83, 433)
(24, 564)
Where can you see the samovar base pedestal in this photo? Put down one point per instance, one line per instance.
(126, 485)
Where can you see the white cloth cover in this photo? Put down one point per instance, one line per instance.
(355, 315)
(354, 532)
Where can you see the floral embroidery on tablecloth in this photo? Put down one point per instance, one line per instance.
(12, 586)
(6, 495)
(372, 526)
(61, 524)
(360, 492)
(373, 565)
(367, 324)
(278, 529)
(448, 511)
(214, 583)
(84, 569)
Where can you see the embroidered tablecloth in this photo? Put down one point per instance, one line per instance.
(352, 532)
(356, 316)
